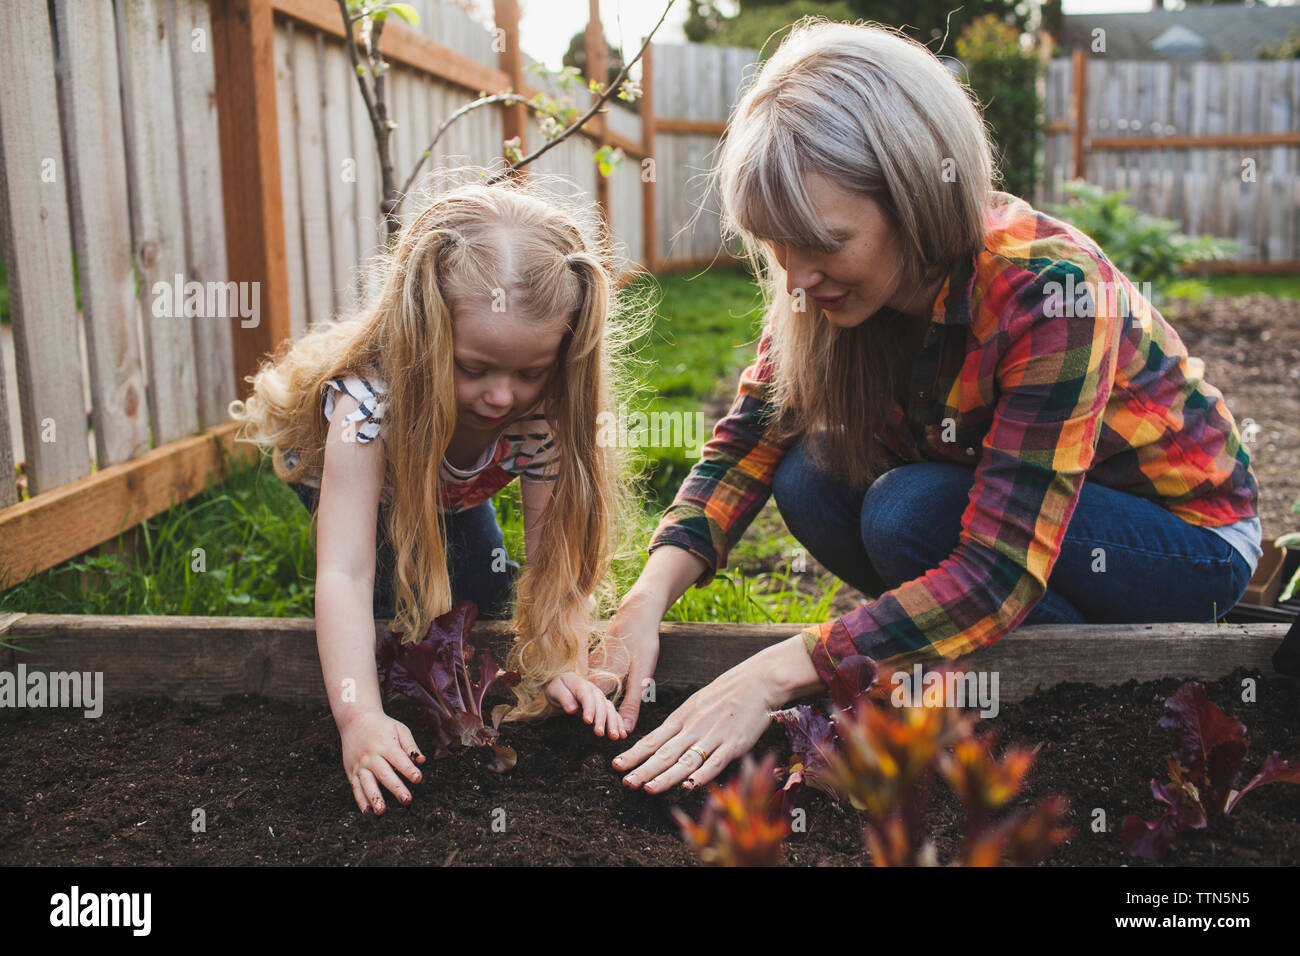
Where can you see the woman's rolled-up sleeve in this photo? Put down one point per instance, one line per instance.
(733, 478)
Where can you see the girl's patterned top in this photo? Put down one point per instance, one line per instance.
(525, 449)
(1042, 394)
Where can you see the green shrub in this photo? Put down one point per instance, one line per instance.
(1285, 49)
(1145, 248)
(1004, 75)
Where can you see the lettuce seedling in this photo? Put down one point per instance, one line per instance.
(1209, 750)
(884, 761)
(742, 823)
(435, 672)
(812, 735)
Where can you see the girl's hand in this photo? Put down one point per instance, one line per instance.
(633, 641)
(570, 691)
(373, 744)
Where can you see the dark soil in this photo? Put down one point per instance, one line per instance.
(122, 789)
(1251, 349)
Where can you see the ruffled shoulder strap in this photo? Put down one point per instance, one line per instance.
(369, 391)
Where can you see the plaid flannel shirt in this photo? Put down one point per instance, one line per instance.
(1051, 367)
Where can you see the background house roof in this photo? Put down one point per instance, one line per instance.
(1235, 30)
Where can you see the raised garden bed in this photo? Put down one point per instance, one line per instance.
(266, 769)
(1260, 602)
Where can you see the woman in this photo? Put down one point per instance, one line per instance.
(940, 369)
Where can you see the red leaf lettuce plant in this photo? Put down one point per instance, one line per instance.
(743, 823)
(883, 761)
(435, 672)
(1209, 750)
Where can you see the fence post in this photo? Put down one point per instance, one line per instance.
(510, 60)
(243, 40)
(1079, 112)
(598, 70)
(649, 225)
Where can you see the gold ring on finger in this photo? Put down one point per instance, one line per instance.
(703, 755)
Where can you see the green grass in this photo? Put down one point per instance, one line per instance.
(238, 549)
(706, 328)
(1282, 286)
(243, 548)
(1220, 286)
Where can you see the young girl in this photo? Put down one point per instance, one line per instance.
(488, 354)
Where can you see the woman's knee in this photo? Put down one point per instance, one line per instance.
(790, 488)
(917, 503)
(811, 500)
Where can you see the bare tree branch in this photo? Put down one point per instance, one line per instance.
(377, 108)
(610, 91)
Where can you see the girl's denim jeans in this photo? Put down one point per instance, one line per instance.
(478, 566)
(1157, 566)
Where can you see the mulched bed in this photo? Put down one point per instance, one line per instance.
(121, 789)
(1251, 349)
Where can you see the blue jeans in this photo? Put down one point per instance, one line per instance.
(1158, 567)
(478, 566)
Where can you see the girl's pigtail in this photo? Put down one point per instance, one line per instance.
(558, 595)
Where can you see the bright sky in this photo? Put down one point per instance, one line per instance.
(547, 25)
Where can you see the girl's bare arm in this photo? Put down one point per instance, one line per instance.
(375, 747)
(345, 567)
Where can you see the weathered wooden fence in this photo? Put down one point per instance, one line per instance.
(329, 172)
(210, 165)
(1215, 146)
(108, 132)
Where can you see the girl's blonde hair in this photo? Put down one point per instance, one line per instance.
(470, 245)
(878, 114)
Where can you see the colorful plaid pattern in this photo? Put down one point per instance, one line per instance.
(1044, 385)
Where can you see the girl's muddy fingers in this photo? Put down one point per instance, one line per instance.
(371, 790)
(407, 743)
(406, 767)
(388, 777)
(614, 721)
(588, 694)
(562, 696)
(358, 794)
(403, 756)
(608, 720)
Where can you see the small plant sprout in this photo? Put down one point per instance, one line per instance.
(743, 823)
(1209, 750)
(883, 760)
(435, 672)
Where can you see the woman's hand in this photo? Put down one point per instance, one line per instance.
(570, 690)
(373, 744)
(724, 720)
